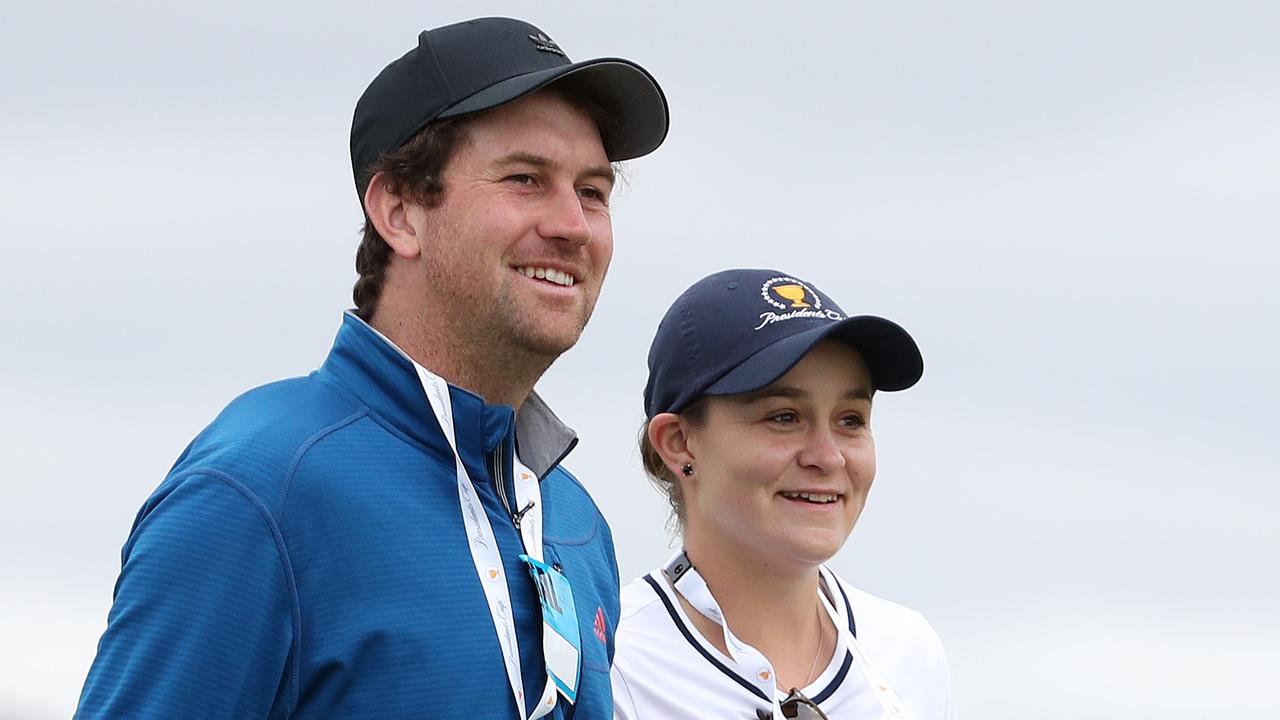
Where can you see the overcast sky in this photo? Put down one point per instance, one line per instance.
(1073, 206)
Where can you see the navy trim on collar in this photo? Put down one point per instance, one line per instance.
(675, 618)
(832, 686)
(830, 689)
(848, 607)
(822, 695)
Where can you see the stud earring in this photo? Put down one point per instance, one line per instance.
(687, 469)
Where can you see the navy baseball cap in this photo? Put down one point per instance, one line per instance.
(739, 330)
(477, 65)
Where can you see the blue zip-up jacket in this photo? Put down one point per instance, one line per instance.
(306, 558)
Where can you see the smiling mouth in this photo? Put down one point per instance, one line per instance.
(551, 275)
(813, 498)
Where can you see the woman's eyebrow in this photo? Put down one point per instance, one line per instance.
(787, 391)
(772, 391)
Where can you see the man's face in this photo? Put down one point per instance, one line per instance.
(516, 252)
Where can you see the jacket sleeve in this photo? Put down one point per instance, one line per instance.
(203, 623)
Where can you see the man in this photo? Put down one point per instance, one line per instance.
(364, 541)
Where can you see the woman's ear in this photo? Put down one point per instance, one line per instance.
(669, 435)
(389, 213)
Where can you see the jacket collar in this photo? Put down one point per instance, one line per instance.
(369, 366)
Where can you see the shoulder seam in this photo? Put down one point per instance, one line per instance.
(373, 415)
(295, 653)
(577, 483)
(302, 450)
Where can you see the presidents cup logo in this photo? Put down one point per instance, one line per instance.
(788, 293)
(795, 299)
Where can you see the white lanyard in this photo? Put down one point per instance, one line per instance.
(484, 546)
(694, 589)
(889, 700)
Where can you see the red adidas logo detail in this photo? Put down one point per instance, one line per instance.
(600, 626)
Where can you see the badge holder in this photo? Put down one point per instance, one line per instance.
(561, 642)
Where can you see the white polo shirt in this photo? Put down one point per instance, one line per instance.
(664, 669)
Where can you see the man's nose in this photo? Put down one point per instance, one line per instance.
(564, 218)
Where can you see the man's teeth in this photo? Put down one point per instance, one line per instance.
(548, 274)
(812, 497)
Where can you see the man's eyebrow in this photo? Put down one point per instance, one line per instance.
(520, 157)
(604, 172)
(523, 158)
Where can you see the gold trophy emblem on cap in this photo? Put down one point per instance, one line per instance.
(794, 293)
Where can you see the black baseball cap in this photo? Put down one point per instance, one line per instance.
(739, 330)
(477, 65)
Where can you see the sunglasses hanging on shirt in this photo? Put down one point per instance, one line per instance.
(795, 706)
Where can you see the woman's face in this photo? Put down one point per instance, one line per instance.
(782, 473)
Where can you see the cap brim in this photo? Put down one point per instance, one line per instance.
(892, 356)
(635, 106)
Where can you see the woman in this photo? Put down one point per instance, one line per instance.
(759, 407)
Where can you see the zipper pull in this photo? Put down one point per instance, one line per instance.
(516, 516)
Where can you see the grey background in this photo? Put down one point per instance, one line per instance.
(1072, 206)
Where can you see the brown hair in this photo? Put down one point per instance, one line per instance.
(416, 170)
(656, 468)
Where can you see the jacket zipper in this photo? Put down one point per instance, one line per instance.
(496, 466)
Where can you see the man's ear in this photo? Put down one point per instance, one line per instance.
(389, 213)
(669, 435)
